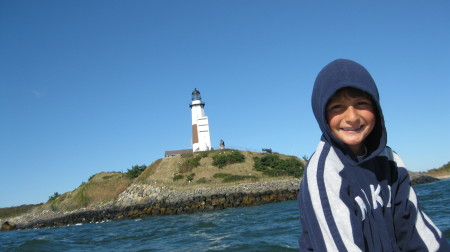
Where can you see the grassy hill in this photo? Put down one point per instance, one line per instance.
(100, 188)
(443, 171)
(181, 172)
(194, 170)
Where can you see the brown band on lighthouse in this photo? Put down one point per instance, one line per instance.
(194, 133)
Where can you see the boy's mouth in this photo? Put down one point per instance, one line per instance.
(352, 128)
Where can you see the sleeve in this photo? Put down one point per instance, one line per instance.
(327, 212)
(414, 230)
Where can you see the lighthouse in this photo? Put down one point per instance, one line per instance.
(201, 140)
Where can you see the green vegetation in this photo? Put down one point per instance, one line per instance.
(226, 158)
(177, 177)
(444, 168)
(272, 165)
(202, 181)
(204, 154)
(101, 188)
(202, 169)
(190, 177)
(10, 212)
(266, 150)
(81, 198)
(221, 175)
(227, 177)
(190, 164)
(191, 161)
(135, 171)
(53, 197)
(441, 171)
(149, 171)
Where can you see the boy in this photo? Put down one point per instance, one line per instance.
(356, 194)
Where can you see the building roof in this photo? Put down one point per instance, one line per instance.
(176, 152)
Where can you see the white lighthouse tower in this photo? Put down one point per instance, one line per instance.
(201, 141)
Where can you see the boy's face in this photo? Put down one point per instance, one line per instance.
(351, 119)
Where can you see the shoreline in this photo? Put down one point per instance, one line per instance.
(442, 177)
(141, 201)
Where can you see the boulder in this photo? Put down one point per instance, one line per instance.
(6, 226)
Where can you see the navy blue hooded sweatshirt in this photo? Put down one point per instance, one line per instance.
(350, 203)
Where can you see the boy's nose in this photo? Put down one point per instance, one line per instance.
(351, 115)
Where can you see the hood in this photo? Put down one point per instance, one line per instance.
(334, 76)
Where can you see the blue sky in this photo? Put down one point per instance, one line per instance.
(92, 86)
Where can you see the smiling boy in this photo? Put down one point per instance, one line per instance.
(351, 118)
(356, 193)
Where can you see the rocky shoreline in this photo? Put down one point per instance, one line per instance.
(140, 201)
(418, 178)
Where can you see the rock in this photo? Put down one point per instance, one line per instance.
(418, 178)
(6, 226)
(423, 179)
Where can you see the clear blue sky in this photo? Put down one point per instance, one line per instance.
(92, 86)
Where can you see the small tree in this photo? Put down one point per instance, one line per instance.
(53, 197)
(135, 171)
(267, 150)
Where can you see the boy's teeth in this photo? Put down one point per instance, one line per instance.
(354, 128)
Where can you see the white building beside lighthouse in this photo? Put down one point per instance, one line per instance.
(201, 140)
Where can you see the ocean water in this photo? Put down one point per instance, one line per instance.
(271, 227)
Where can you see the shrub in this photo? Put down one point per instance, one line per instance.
(227, 177)
(53, 197)
(204, 154)
(135, 171)
(190, 177)
(234, 178)
(202, 181)
(187, 155)
(272, 165)
(177, 177)
(221, 175)
(219, 160)
(222, 159)
(190, 164)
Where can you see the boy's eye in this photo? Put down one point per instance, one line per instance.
(336, 107)
(364, 105)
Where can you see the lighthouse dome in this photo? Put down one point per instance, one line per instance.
(196, 95)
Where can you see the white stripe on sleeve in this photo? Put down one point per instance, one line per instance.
(315, 199)
(340, 211)
(424, 233)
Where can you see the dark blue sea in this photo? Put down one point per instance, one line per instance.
(271, 227)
